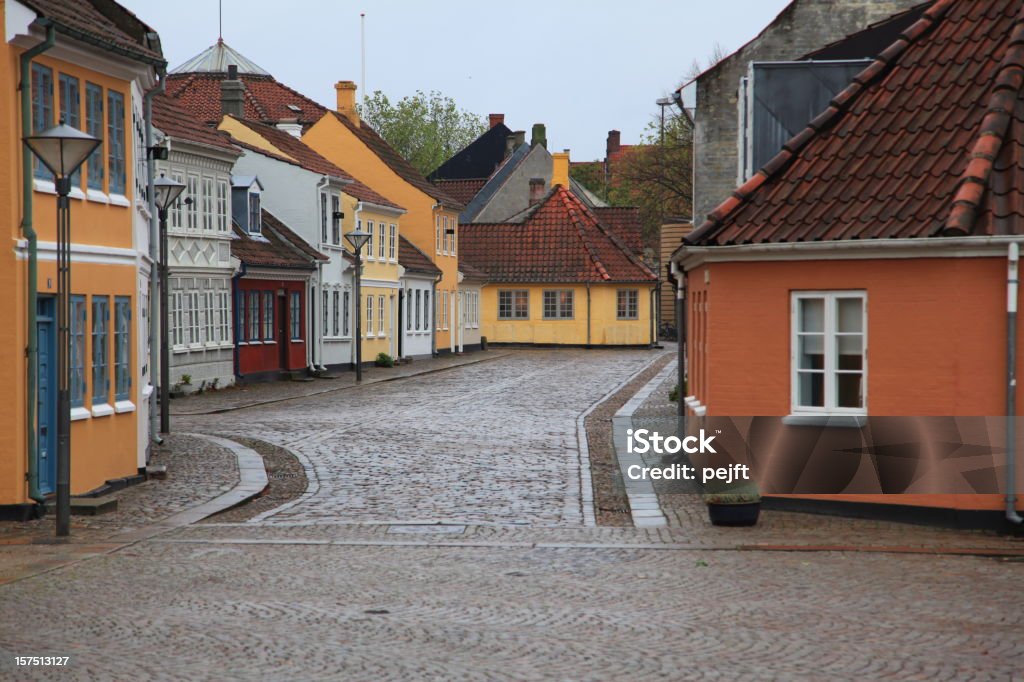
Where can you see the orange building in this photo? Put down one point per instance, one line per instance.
(89, 64)
(891, 223)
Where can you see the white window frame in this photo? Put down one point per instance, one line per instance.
(222, 205)
(831, 370)
(192, 209)
(369, 315)
(393, 243)
(380, 315)
(178, 207)
(208, 204)
(437, 234)
(382, 241)
(371, 252)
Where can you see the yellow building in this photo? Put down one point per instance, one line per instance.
(89, 68)
(432, 219)
(559, 276)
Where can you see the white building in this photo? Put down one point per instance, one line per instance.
(416, 302)
(199, 248)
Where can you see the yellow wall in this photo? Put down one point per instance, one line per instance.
(605, 328)
(102, 447)
(337, 143)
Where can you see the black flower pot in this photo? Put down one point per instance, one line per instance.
(734, 514)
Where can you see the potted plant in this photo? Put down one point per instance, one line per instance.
(735, 504)
(384, 360)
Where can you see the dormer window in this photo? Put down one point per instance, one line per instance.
(255, 221)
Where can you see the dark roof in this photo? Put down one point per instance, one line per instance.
(103, 23)
(478, 159)
(870, 41)
(925, 142)
(266, 100)
(175, 121)
(462, 190)
(396, 162)
(413, 259)
(279, 247)
(560, 242)
(625, 222)
(309, 159)
(470, 273)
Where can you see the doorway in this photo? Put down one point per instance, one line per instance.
(46, 408)
(282, 329)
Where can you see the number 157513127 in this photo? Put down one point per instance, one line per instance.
(41, 660)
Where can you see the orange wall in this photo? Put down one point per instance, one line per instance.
(936, 335)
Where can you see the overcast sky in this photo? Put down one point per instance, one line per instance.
(583, 67)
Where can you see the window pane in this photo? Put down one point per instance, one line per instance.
(115, 142)
(812, 315)
(850, 349)
(811, 351)
(849, 390)
(811, 389)
(851, 315)
(94, 126)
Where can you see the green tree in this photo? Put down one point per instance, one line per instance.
(426, 128)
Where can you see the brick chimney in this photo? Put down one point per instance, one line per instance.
(560, 169)
(536, 190)
(539, 136)
(614, 142)
(495, 120)
(232, 94)
(346, 93)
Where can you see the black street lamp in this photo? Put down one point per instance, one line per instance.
(166, 193)
(62, 149)
(357, 238)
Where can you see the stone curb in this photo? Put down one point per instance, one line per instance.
(272, 401)
(643, 501)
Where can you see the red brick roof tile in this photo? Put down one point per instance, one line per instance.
(925, 142)
(279, 247)
(462, 191)
(413, 259)
(625, 222)
(174, 120)
(111, 25)
(266, 100)
(560, 241)
(309, 159)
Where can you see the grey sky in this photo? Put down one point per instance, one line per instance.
(581, 67)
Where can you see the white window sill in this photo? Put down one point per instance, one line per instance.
(44, 186)
(269, 342)
(297, 340)
(97, 196)
(122, 406)
(147, 390)
(119, 200)
(102, 410)
(180, 349)
(77, 193)
(79, 413)
(842, 421)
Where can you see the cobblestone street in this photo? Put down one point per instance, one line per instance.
(444, 535)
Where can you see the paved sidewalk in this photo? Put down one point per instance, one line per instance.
(266, 393)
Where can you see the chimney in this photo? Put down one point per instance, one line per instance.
(614, 143)
(536, 190)
(346, 92)
(495, 120)
(290, 126)
(560, 169)
(539, 136)
(513, 141)
(232, 94)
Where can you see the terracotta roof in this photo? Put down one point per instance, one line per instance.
(462, 191)
(470, 273)
(112, 26)
(266, 100)
(413, 259)
(310, 160)
(925, 142)
(396, 162)
(625, 222)
(279, 247)
(175, 121)
(561, 241)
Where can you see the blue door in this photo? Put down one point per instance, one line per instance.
(46, 339)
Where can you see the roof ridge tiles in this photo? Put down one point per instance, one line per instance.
(839, 105)
(973, 181)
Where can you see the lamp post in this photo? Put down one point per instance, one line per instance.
(663, 102)
(166, 192)
(357, 238)
(62, 149)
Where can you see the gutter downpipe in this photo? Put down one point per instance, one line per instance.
(1013, 266)
(588, 315)
(434, 306)
(680, 336)
(32, 351)
(154, 276)
(236, 325)
(316, 350)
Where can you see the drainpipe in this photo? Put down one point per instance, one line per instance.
(680, 336)
(1013, 263)
(318, 346)
(435, 305)
(236, 324)
(154, 256)
(588, 314)
(357, 273)
(654, 322)
(32, 351)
